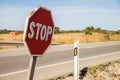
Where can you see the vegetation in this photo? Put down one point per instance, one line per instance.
(107, 37)
(70, 31)
(5, 31)
(57, 30)
(89, 30)
(88, 35)
(92, 70)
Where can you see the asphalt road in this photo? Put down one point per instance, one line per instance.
(57, 60)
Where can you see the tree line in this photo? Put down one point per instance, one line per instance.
(5, 31)
(88, 31)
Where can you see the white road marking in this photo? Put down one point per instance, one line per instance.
(7, 74)
(113, 53)
(57, 64)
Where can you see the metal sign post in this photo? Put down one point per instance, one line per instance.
(76, 60)
(32, 64)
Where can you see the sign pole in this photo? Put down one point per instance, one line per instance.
(76, 60)
(32, 64)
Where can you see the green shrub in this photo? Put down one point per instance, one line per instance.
(5, 31)
(92, 70)
(107, 37)
(100, 67)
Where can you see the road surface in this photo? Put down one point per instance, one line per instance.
(57, 60)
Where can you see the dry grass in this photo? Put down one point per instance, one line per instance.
(62, 38)
(81, 37)
(115, 37)
(10, 38)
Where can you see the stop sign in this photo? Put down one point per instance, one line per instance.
(38, 31)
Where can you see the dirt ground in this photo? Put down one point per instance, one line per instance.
(105, 71)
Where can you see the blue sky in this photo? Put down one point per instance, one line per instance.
(67, 14)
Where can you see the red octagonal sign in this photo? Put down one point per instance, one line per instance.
(39, 30)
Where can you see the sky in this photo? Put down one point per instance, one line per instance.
(67, 14)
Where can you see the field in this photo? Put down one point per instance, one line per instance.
(10, 38)
(83, 38)
(64, 38)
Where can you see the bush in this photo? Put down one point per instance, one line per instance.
(92, 70)
(57, 30)
(107, 37)
(100, 67)
(5, 31)
(88, 30)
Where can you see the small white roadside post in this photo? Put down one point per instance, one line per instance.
(76, 60)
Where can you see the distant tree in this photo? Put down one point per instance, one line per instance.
(73, 31)
(105, 31)
(56, 30)
(5, 31)
(88, 30)
(77, 31)
(62, 31)
(98, 30)
(117, 32)
(70, 31)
